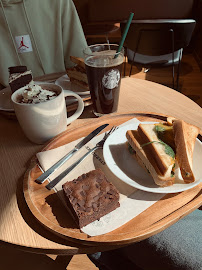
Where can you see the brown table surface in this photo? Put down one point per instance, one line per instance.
(16, 152)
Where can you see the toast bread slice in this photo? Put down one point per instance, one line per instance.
(77, 75)
(145, 160)
(78, 60)
(156, 149)
(185, 136)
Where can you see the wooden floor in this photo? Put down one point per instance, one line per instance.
(190, 85)
(190, 82)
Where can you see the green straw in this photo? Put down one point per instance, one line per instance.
(125, 32)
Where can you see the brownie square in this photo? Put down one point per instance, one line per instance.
(90, 196)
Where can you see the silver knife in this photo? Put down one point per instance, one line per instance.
(59, 163)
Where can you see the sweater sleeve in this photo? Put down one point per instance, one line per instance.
(73, 37)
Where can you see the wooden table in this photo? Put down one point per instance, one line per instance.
(16, 152)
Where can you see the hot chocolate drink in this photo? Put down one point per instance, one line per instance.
(41, 110)
(33, 94)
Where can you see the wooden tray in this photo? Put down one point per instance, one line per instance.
(156, 218)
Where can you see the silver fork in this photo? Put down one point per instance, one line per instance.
(100, 144)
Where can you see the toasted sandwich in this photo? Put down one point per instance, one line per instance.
(185, 136)
(159, 147)
(77, 74)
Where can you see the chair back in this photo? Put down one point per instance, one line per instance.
(158, 37)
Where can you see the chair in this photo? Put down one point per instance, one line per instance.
(158, 43)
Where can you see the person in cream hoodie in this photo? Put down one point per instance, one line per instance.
(40, 34)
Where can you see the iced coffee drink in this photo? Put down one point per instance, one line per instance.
(103, 67)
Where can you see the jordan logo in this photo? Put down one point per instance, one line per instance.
(23, 44)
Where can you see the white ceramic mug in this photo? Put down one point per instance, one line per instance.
(42, 121)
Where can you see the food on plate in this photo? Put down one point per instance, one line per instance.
(159, 148)
(19, 77)
(185, 136)
(170, 120)
(78, 60)
(152, 155)
(90, 196)
(77, 74)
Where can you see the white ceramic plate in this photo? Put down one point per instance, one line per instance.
(124, 166)
(65, 83)
(5, 100)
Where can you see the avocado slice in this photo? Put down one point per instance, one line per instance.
(165, 134)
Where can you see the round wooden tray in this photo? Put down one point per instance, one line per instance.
(156, 218)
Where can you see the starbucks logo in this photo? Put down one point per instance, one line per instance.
(111, 79)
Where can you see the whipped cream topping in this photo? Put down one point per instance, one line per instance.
(34, 93)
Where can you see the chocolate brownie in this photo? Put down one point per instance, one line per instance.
(19, 77)
(90, 196)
